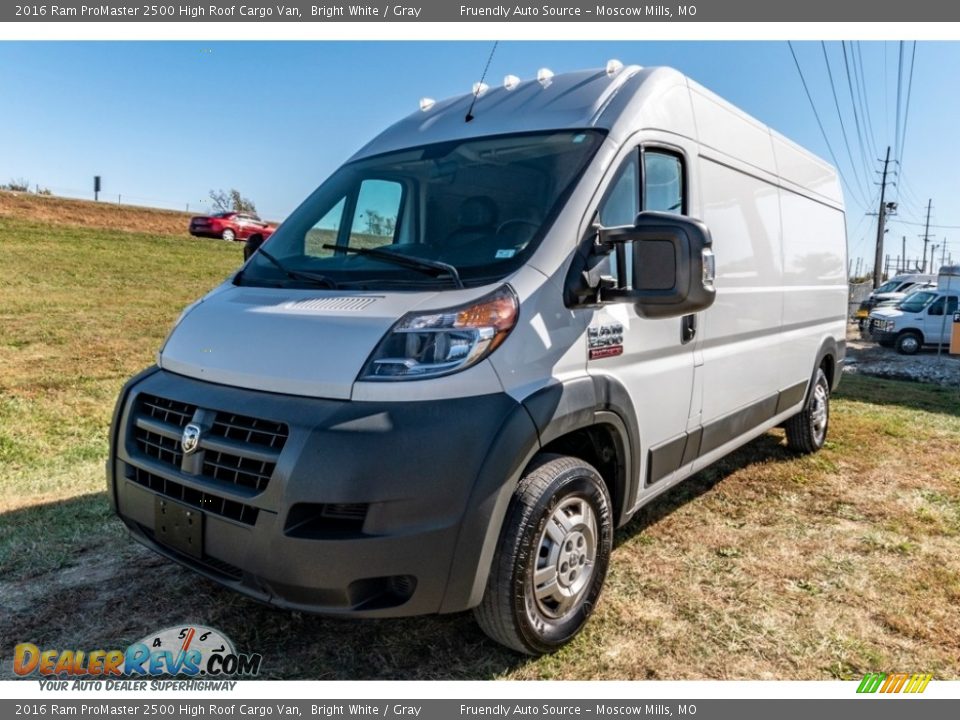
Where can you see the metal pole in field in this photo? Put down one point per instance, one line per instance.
(943, 253)
(881, 221)
(903, 251)
(926, 236)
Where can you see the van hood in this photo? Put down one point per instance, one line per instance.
(298, 342)
(886, 313)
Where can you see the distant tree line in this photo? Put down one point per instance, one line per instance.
(232, 201)
(22, 185)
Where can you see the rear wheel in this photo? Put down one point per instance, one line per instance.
(228, 235)
(909, 342)
(807, 430)
(552, 558)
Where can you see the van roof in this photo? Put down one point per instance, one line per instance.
(620, 102)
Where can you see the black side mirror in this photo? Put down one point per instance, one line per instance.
(252, 244)
(665, 265)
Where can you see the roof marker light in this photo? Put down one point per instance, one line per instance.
(613, 67)
(427, 103)
(479, 88)
(510, 82)
(545, 76)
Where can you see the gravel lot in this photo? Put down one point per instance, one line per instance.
(866, 357)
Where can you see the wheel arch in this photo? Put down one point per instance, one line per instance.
(589, 416)
(830, 357)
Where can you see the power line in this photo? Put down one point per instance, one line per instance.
(906, 111)
(813, 107)
(866, 97)
(921, 224)
(896, 136)
(836, 102)
(856, 116)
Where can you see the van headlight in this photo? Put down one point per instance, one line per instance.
(428, 344)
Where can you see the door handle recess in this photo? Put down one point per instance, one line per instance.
(688, 328)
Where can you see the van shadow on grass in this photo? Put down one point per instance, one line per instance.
(765, 448)
(70, 577)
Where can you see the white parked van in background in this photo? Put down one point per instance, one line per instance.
(483, 344)
(896, 288)
(922, 318)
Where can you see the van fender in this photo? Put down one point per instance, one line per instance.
(542, 417)
(836, 349)
(584, 402)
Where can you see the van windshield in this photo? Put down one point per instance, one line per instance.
(479, 205)
(915, 302)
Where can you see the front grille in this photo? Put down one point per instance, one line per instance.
(236, 452)
(166, 411)
(212, 504)
(255, 431)
(237, 470)
(159, 447)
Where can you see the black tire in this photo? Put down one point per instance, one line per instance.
(511, 611)
(909, 342)
(807, 430)
(228, 235)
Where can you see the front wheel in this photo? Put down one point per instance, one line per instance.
(807, 430)
(552, 557)
(908, 343)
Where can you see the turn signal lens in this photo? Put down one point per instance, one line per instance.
(423, 345)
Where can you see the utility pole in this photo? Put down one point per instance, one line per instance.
(904, 253)
(926, 236)
(881, 221)
(943, 253)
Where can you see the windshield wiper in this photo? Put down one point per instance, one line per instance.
(298, 274)
(413, 263)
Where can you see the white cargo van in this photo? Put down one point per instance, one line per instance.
(922, 318)
(483, 344)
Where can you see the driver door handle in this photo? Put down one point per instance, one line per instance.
(688, 328)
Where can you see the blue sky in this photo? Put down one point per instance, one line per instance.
(164, 122)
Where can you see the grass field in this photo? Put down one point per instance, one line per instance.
(766, 565)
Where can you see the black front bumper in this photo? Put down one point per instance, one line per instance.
(369, 508)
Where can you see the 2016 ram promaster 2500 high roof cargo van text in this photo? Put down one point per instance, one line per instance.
(483, 344)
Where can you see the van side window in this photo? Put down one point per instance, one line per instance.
(937, 307)
(663, 188)
(325, 231)
(376, 213)
(372, 211)
(622, 203)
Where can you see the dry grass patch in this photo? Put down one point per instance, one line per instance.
(102, 215)
(765, 565)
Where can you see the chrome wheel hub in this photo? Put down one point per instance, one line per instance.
(818, 412)
(566, 554)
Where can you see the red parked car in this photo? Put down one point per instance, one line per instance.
(230, 226)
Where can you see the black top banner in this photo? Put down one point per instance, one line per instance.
(451, 11)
